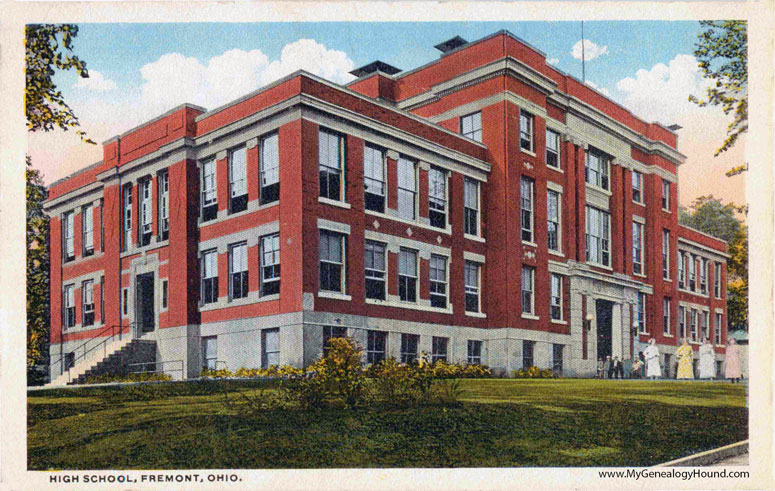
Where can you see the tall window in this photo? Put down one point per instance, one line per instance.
(666, 254)
(331, 251)
(374, 178)
(637, 187)
(528, 285)
(597, 168)
(472, 286)
(557, 357)
(553, 219)
(238, 180)
(407, 189)
(526, 201)
(637, 248)
(270, 347)
(376, 342)
(471, 126)
(665, 195)
(210, 352)
(331, 165)
(164, 205)
(437, 197)
(146, 212)
(238, 271)
(87, 303)
(703, 275)
(68, 236)
(474, 352)
(87, 230)
(102, 225)
(331, 332)
(438, 279)
(717, 280)
(681, 270)
(527, 353)
(409, 344)
(555, 306)
(270, 264)
(127, 216)
(269, 169)
(164, 294)
(68, 313)
(526, 131)
(692, 269)
(102, 300)
(439, 348)
(666, 316)
(471, 199)
(209, 276)
(693, 324)
(407, 275)
(704, 327)
(374, 259)
(717, 329)
(552, 149)
(209, 191)
(598, 236)
(682, 322)
(640, 313)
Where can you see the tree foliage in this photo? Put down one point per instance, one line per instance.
(711, 216)
(721, 51)
(37, 269)
(49, 47)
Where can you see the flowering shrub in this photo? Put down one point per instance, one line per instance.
(272, 371)
(218, 373)
(533, 372)
(129, 377)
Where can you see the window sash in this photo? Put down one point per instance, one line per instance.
(376, 346)
(597, 169)
(637, 247)
(640, 311)
(88, 228)
(164, 200)
(374, 170)
(717, 330)
(407, 189)
(471, 204)
(331, 165)
(474, 352)
(526, 131)
(331, 256)
(556, 297)
(409, 344)
(438, 280)
(526, 206)
(472, 282)
(68, 234)
(717, 280)
(145, 206)
(666, 316)
(471, 126)
(407, 275)
(598, 236)
(553, 220)
(665, 195)
(209, 194)
(270, 347)
(269, 163)
(637, 187)
(238, 182)
(527, 289)
(439, 348)
(552, 148)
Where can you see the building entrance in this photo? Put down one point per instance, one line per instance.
(604, 320)
(144, 299)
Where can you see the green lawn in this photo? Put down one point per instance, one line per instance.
(499, 423)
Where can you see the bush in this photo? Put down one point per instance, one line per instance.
(534, 372)
(128, 377)
(217, 373)
(393, 382)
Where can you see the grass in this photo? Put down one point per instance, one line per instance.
(499, 423)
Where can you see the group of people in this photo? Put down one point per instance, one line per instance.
(647, 363)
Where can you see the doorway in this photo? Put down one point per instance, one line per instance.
(144, 300)
(604, 317)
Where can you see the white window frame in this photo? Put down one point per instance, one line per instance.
(207, 354)
(555, 296)
(637, 187)
(600, 225)
(407, 189)
(552, 135)
(638, 266)
(408, 259)
(526, 131)
(209, 186)
(268, 166)
(527, 207)
(269, 263)
(439, 277)
(717, 280)
(372, 250)
(474, 123)
(472, 358)
(471, 205)
(164, 203)
(554, 221)
(87, 302)
(127, 221)
(640, 313)
(665, 254)
(68, 302)
(703, 274)
(472, 279)
(209, 271)
(68, 236)
(693, 325)
(598, 169)
(692, 272)
(270, 355)
(341, 263)
(238, 264)
(373, 164)
(438, 342)
(666, 317)
(87, 229)
(146, 209)
(666, 188)
(682, 322)
(325, 165)
(681, 270)
(527, 287)
(438, 201)
(717, 329)
(238, 175)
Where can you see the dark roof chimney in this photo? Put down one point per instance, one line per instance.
(451, 44)
(375, 66)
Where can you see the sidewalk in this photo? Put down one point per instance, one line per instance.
(734, 460)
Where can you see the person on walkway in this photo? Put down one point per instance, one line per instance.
(637, 368)
(608, 367)
(618, 369)
(651, 354)
(707, 360)
(685, 355)
(600, 368)
(732, 370)
(627, 364)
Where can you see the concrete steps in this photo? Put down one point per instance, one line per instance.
(120, 353)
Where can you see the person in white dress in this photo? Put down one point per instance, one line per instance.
(653, 370)
(707, 360)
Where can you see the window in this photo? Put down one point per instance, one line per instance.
(528, 277)
(331, 332)
(637, 187)
(474, 352)
(439, 349)
(146, 213)
(270, 347)
(666, 254)
(637, 248)
(331, 251)
(102, 300)
(553, 218)
(438, 279)
(374, 178)
(597, 169)
(374, 259)
(472, 286)
(471, 126)
(69, 303)
(127, 216)
(102, 225)
(407, 275)
(693, 324)
(526, 200)
(526, 131)
(376, 341)
(640, 313)
(527, 354)
(210, 276)
(165, 294)
(718, 328)
(210, 353)
(666, 316)
(68, 236)
(125, 302)
(87, 303)
(407, 189)
(717, 280)
(164, 206)
(409, 344)
(692, 275)
(681, 270)
(87, 230)
(238, 180)
(703, 275)
(471, 199)
(552, 149)
(704, 327)
(238, 271)
(555, 306)
(437, 197)
(269, 170)
(209, 191)
(598, 236)
(665, 195)
(270, 264)
(557, 358)
(682, 322)
(331, 165)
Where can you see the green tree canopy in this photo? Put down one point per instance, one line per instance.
(37, 270)
(711, 216)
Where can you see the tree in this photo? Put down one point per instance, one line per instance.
(49, 47)
(37, 272)
(710, 215)
(721, 51)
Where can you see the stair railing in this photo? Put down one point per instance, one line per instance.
(100, 341)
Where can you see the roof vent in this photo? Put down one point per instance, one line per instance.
(451, 44)
(375, 66)
(674, 127)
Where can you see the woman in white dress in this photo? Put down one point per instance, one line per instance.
(651, 353)
(707, 360)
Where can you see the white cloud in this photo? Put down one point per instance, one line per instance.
(553, 61)
(96, 82)
(307, 54)
(591, 50)
(602, 90)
